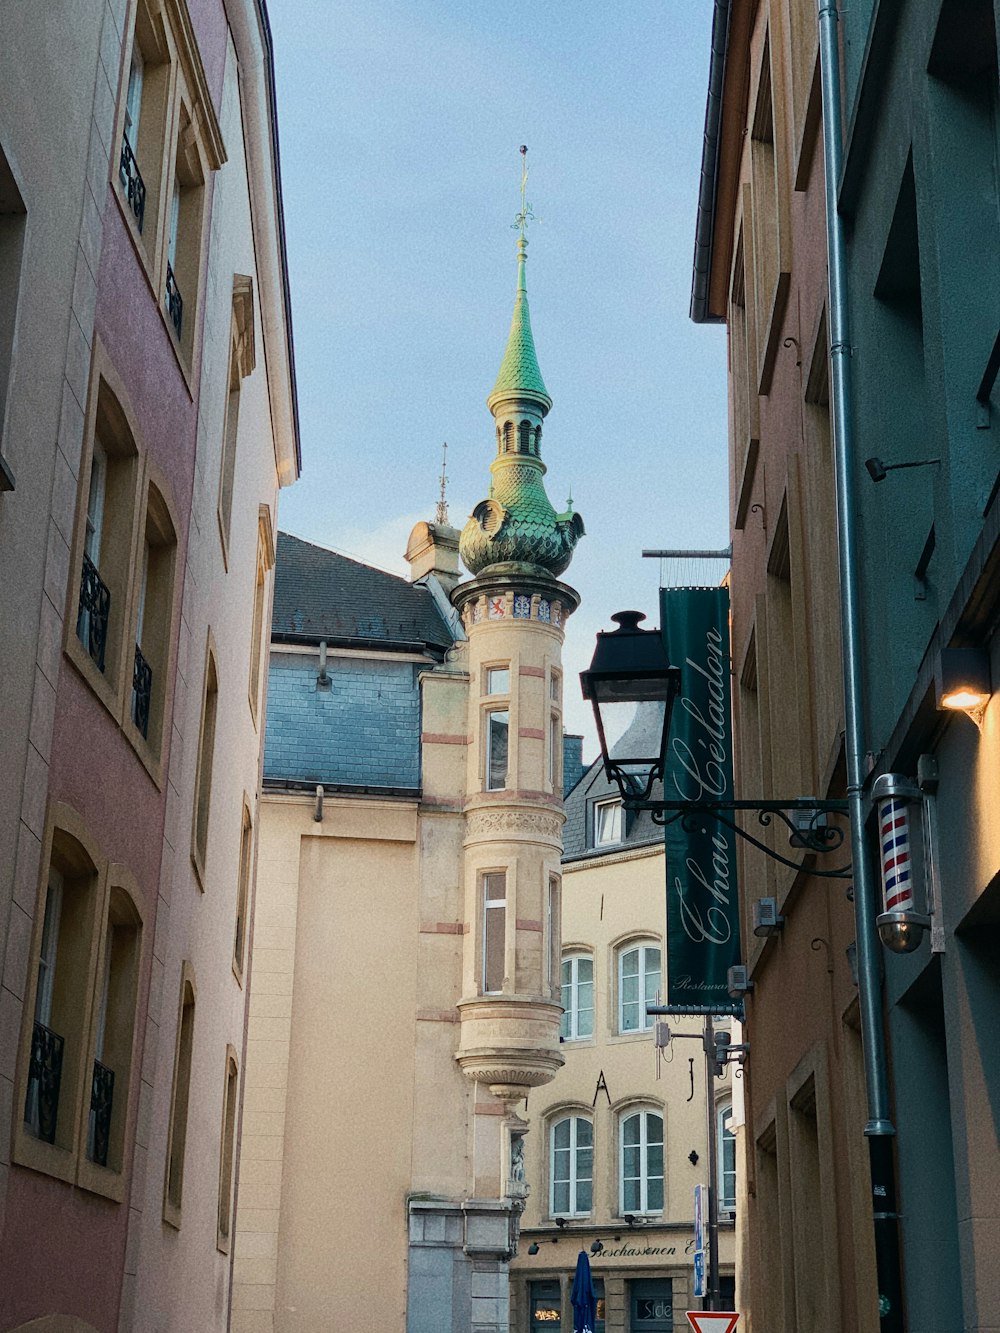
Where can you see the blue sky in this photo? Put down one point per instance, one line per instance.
(400, 122)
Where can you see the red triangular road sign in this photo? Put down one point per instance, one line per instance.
(712, 1321)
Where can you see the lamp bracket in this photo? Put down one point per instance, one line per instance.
(813, 835)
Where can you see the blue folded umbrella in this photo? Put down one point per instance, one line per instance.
(583, 1296)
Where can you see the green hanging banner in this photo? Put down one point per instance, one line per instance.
(703, 927)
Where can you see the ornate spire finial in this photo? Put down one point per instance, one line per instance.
(442, 504)
(525, 216)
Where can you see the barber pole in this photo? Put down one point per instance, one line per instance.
(894, 841)
(900, 925)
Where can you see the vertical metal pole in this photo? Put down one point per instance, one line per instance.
(714, 1298)
(879, 1128)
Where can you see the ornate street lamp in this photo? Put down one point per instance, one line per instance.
(630, 667)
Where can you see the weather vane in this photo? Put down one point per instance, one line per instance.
(442, 505)
(525, 216)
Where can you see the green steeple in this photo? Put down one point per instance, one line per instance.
(516, 524)
(519, 372)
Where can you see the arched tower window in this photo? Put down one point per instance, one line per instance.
(538, 440)
(508, 434)
(499, 438)
(524, 438)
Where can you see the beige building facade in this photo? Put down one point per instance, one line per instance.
(408, 902)
(621, 1135)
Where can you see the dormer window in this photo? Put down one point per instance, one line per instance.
(607, 823)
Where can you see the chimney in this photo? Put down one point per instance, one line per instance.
(433, 549)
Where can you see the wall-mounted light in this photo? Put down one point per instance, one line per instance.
(597, 1247)
(767, 920)
(964, 682)
(533, 1247)
(900, 926)
(878, 470)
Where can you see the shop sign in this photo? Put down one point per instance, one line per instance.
(703, 938)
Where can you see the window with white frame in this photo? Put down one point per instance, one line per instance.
(494, 931)
(577, 997)
(607, 822)
(638, 985)
(641, 1162)
(497, 744)
(571, 1172)
(498, 680)
(727, 1158)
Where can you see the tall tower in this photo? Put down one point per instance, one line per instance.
(514, 610)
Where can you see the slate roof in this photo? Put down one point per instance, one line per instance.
(578, 832)
(320, 594)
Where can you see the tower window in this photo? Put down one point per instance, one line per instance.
(524, 438)
(538, 440)
(508, 435)
(497, 733)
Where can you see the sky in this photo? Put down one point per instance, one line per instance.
(400, 123)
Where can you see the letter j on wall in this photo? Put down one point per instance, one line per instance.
(703, 934)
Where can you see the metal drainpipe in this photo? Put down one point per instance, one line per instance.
(879, 1129)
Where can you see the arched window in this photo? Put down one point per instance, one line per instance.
(524, 438)
(638, 983)
(571, 1167)
(640, 1162)
(577, 997)
(508, 436)
(538, 440)
(727, 1157)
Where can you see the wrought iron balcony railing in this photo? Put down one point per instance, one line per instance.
(102, 1096)
(142, 691)
(132, 182)
(95, 607)
(41, 1104)
(174, 302)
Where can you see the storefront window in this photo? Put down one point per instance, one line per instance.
(652, 1302)
(599, 1289)
(546, 1306)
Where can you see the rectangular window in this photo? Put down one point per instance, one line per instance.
(727, 1159)
(577, 997)
(498, 680)
(12, 228)
(555, 749)
(497, 744)
(638, 985)
(607, 823)
(494, 931)
(179, 1104)
(229, 433)
(546, 1306)
(206, 752)
(554, 927)
(227, 1150)
(572, 1167)
(555, 686)
(243, 892)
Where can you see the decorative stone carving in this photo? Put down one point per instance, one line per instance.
(497, 823)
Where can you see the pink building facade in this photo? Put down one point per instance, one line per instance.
(132, 749)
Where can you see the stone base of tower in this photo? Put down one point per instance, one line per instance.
(457, 1265)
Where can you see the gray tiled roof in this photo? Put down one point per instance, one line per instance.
(320, 594)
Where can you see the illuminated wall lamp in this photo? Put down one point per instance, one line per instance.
(964, 682)
(767, 920)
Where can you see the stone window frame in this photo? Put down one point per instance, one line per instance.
(487, 714)
(110, 890)
(179, 138)
(572, 1113)
(241, 925)
(724, 1110)
(621, 948)
(643, 1107)
(502, 908)
(576, 954)
(226, 1215)
(143, 510)
(208, 725)
(180, 1099)
(259, 641)
(744, 400)
(242, 362)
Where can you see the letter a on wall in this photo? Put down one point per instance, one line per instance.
(703, 931)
